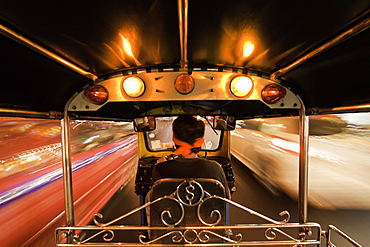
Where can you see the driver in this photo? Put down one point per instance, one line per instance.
(188, 134)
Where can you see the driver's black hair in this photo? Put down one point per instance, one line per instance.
(188, 128)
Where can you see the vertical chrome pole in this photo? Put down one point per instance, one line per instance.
(303, 166)
(183, 28)
(67, 173)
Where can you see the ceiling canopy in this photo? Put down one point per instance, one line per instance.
(319, 49)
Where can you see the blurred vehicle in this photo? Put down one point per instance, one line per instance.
(338, 158)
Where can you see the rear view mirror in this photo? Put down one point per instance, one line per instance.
(224, 123)
(143, 124)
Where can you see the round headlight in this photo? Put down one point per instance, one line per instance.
(273, 93)
(134, 86)
(96, 94)
(184, 84)
(241, 86)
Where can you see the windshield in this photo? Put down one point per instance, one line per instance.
(160, 139)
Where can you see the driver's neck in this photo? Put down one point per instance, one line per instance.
(190, 156)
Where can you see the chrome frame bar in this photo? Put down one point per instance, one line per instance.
(109, 241)
(67, 172)
(30, 44)
(303, 166)
(342, 109)
(27, 113)
(356, 29)
(183, 28)
(342, 234)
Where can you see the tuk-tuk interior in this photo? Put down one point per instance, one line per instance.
(188, 222)
(148, 62)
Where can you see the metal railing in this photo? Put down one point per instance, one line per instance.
(206, 232)
(331, 229)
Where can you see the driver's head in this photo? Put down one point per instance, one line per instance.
(187, 134)
(188, 128)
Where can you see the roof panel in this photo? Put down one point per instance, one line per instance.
(91, 34)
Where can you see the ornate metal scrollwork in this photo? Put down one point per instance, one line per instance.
(206, 233)
(190, 196)
(106, 236)
(214, 213)
(273, 230)
(176, 237)
(190, 236)
(169, 215)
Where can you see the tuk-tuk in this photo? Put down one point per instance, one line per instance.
(147, 62)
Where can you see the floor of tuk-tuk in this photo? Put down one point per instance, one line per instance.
(251, 194)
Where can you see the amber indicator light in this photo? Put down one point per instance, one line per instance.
(273, 93)
(184, 84)
(96, 94)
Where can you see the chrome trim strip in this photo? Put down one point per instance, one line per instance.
(30, 44)
(159, 87)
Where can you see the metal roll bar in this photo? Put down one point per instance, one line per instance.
(30, 44)
(352, 31)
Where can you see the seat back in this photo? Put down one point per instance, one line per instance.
(186, 202)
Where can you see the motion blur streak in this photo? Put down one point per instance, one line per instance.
(338, 157)
(38, 182)
(24, 219)
(31, 188)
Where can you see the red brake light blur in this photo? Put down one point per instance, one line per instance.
(273, 93)
(96, 94)
(184, 84)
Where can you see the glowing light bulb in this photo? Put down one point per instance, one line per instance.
(127, 46)
(248, 48)
(134, 86)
